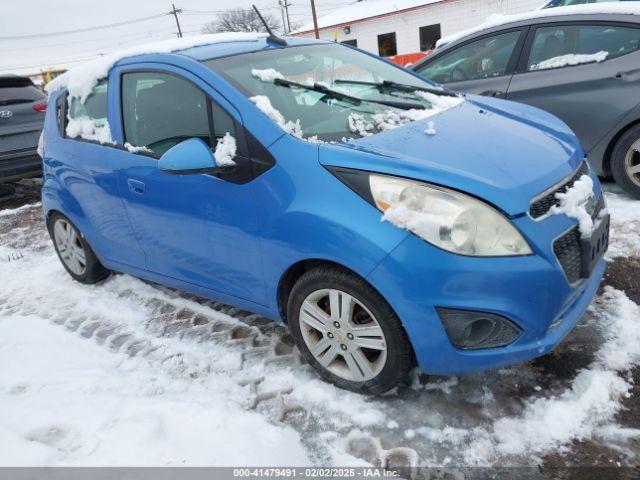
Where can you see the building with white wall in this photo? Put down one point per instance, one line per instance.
(398, 27)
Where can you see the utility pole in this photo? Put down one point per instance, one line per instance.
(286, 10)
(175, 11)
(315, 18)
(284, 24)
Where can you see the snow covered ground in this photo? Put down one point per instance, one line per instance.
(126, 373)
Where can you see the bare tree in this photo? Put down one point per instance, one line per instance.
(239, 20)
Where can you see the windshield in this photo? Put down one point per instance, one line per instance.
(331, 92)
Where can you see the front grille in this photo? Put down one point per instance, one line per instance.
(568, 253)
(542, 205)
(567, 247)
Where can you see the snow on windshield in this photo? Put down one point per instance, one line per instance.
(225, 151)
(266, 75)
(264, 104)
(387, 118)
(391, 118)
(81, 80)
(570, 59)
(88, 129)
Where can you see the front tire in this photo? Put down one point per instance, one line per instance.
(625, 161)
(347, 332)
(74, 252)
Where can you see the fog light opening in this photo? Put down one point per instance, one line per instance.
(468, 329)
(478, 331)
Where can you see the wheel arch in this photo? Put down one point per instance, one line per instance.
(299, 268)
(608, 152)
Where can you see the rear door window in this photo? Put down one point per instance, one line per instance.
(485, 58)
(15, 90)
(569, 45)
(88, 119)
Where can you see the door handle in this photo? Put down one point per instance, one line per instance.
(135, 186)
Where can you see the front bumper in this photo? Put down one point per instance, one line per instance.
(532, 291)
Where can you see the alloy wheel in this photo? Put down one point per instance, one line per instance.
(343, 335)
(632, 163)
(69, 246)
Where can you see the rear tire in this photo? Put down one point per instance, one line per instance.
(74, 251)
(347, 332)
(625, 161)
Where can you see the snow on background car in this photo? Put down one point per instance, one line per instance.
(497, 19)
(90, 373)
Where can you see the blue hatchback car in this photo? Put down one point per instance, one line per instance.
(388, 221)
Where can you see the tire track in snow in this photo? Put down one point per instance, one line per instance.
(466, 420)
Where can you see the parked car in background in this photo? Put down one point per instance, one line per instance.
(565, 3)
(582, 67)
(22, 109)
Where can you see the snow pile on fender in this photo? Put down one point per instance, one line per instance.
(81, 80)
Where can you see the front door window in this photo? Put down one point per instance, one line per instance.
(484, 58)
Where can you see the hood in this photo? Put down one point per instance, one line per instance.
(503, 152)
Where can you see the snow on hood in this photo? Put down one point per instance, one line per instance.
(505, 153)
(497, 19)
(81, 80)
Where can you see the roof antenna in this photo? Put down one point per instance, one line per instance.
(271, 38)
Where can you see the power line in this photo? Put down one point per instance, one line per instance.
(87, 29)
(145, 33)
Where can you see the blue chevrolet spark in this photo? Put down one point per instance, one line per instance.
(388, 221)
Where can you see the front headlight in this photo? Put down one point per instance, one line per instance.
(446, 218)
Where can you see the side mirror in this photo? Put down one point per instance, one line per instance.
(189, 156)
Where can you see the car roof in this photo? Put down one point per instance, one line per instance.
(218, 50)
(628, 11)
(80, 80)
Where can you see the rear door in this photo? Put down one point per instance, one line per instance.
(82, 162)
(482, 65)
(587, 74)
(22, 107)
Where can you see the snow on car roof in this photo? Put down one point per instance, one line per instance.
(361, 10)
(80, 81)
(497, 19)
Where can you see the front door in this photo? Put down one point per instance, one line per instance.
(198, 228)
(481, 66)
(585, 74)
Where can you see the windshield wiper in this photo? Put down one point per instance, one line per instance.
(387, 85)
(329, 93)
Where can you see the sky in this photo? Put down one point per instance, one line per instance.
(38, 23)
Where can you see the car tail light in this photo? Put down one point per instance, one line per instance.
(40, 106)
